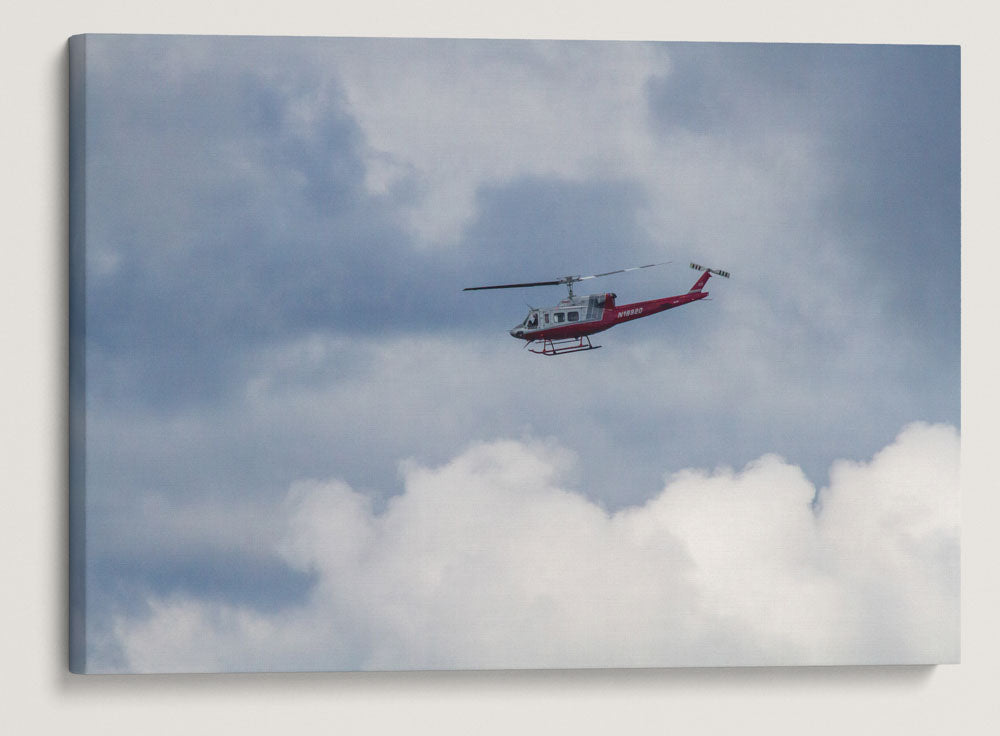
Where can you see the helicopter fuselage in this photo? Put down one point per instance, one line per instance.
(580, 316)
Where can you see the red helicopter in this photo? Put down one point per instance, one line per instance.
(567, 327)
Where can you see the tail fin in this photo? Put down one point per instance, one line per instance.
(700, 283)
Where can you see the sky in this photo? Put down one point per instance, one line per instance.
(307, 448)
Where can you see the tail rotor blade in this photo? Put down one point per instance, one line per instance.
(717, 272)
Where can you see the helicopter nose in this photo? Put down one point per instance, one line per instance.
(517, 333)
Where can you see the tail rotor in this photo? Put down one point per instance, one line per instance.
(716, 271)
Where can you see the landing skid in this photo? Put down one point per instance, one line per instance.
(568, 345)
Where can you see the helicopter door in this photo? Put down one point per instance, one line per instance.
(595, 307)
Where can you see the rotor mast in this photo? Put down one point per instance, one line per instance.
(568, 280)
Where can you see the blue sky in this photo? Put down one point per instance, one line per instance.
(278, 232)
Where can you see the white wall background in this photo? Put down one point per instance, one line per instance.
(38, 694)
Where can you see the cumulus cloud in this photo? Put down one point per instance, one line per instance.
(487, 561)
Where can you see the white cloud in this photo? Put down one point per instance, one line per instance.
(487, 562)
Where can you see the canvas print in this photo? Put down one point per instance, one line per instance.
(409, 354)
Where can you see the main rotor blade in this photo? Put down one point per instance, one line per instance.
(514, 286)
(566, 280)
(621, 270)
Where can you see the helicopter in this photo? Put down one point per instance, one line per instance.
(567, 327)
